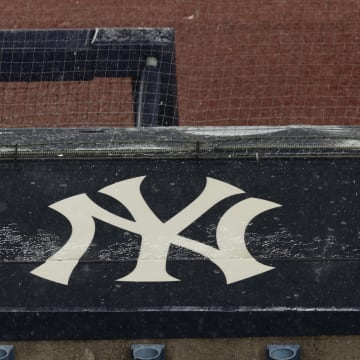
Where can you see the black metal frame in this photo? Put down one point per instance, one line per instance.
(146, 55)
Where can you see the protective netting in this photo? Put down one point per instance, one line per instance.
(238, 62)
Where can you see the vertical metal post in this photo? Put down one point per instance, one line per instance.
(149, 95)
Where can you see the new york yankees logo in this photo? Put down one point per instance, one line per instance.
(232, 255)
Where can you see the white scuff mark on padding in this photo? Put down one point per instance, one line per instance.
(233, 130)
(95, 36)
(228, 309)
(349, 143)
(151, 61)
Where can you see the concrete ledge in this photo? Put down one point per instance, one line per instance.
(314, 348)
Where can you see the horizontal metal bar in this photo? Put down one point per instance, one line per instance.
(188, 142)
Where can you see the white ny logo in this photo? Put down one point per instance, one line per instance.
(232, 256)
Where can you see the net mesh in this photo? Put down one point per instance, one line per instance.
(238, 62)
